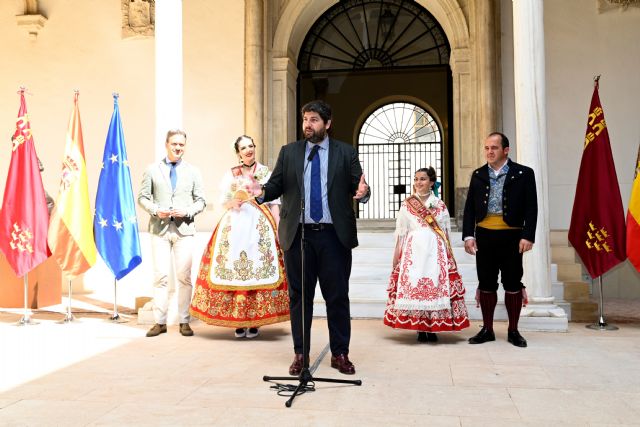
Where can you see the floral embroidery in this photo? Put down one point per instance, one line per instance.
(264, 247)
(231, 305)
(444, 283)
(241, 309)
(243, 267)
(406, 263)
(261, 173)
(223, 250)
(497, 184)
(200, 299)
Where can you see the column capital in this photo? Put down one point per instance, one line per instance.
(285, 64)
(459, 60)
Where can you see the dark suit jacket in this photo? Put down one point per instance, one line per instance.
(519, 200)
(343, 175)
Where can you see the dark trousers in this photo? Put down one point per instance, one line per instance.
(329, 262)
(498, 251)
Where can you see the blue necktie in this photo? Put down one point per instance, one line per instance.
(172, 176)
(315, 196)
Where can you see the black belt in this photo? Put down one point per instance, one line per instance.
(318, 227)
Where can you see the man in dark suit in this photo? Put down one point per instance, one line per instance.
(327, 173)
(499, 226)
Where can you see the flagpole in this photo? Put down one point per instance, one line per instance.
(602, 325)
(26, 316)
(68, 318)
(115, 317)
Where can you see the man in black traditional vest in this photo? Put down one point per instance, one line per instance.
(499, 226)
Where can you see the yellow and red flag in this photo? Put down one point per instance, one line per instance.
(71, 226)
(633, 219)
(597, 230)
(24, 219)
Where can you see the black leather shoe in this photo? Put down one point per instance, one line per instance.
(422, 337)
(516, 339)
(483, 336)
(432, 337)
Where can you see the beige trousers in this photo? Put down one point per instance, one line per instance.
(171, 247)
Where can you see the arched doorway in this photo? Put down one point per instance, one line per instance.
(362, 54)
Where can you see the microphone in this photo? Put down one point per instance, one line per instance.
(313, 153)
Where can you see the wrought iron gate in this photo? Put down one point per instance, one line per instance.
(396, 140)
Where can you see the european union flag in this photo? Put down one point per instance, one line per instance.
(115, 224)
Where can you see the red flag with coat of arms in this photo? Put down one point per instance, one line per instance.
(597, 230)
(24, 219)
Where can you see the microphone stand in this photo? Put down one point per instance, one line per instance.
(305, 376)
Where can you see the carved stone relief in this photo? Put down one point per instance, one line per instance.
(138, 18)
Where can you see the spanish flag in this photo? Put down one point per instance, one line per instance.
(597, 220)
(633, 219)
(71, 226)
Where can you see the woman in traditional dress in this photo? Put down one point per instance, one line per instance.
(241, 283)
(426, 293)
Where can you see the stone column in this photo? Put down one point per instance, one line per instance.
(283, 107)
(466, 149)
(168, 45)
(254, 73)
(168, 103)
(486, 66)
(531, 138)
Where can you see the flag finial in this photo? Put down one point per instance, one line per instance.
(596, 81)
(116, 95)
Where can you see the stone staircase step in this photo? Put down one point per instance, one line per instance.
(376, 240)
(374, 309)
(381, 272)
(563, 255)
(584, 311)
(576, 291)
(366, 255)
(376, 225)
(559, 238)
(372, 267)
(569, 272)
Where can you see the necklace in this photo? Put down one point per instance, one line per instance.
(423, 196)
(249, 170)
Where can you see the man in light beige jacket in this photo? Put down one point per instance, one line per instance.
(173, 195)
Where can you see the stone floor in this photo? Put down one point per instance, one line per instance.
(94, 372)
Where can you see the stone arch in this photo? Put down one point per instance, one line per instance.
(296, 17)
